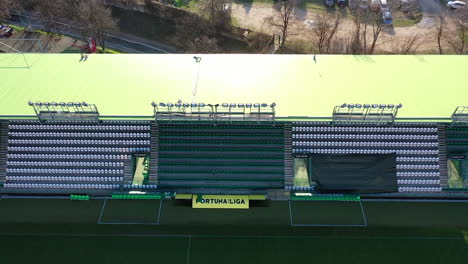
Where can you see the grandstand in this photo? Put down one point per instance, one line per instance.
(215, 154)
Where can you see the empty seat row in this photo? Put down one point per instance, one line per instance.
(79, 142)
(137, 186)
(77, 127)
(417, 174)
(365, 144)
(71, 135)
(64, 178)
(417, 167)
(417, 159)
(78, 149)
(68, 156)
(65, 163)
(60, 186)
(418, 181)
(419, 189)
(367, 151)
(364, 136)
(368, 129)
(65, 171)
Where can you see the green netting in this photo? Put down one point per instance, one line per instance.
(136, 196)
(79, 197)
(331, 197)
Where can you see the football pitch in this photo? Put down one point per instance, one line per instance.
(125, 84)
(168, 231)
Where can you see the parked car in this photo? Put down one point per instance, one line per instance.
(456, 4)
(405, 5)
(341, 3)
(387, 16)
(5, 31)
(364, 4)
(375, 5)
(330, 3)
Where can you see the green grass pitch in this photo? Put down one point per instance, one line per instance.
(64, 231)
(427, 86)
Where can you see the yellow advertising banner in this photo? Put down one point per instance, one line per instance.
(220, 201)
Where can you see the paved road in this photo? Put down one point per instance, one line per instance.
(430, 9)
(117, 40)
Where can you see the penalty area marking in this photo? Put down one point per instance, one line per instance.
(363, 214)
(129, 223)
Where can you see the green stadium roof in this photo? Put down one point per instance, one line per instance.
(427, 86)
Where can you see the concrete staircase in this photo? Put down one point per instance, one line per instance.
(288, 159)
(3, 150)
(442, 139)
(154, 151)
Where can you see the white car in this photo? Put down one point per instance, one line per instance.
(456, 4)
(364, 4)
(310, 23)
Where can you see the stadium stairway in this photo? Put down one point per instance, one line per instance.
(153, 163)
(441, 129)
(288, 157)
(73, 157)
(416, 146)
(3, 149)
(229, 156)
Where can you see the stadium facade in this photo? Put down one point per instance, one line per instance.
(230, 145)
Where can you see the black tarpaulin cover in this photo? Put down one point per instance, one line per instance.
(360, 173)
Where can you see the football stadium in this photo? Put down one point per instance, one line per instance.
(233, 158)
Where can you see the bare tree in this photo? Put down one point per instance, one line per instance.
(96, 20)
(48, 11)
(456, 38)
(282, 18)
(325, 30)
(203, 44)
(377, 25)
(440, 31)
(407, 46)
(218, 13)
(7, 6)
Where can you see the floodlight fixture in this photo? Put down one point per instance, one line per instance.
(241, 105)
(30, 103)
(225, 105)
(367, 105)
(350, 105)
(264, 105)
(232, 105)
(344, 105)
(170, 104)
(162, 104)
(273, 105)
(84, 104)
(186, 104)
(248, 105)
(46, 103)
(78, 104)
(257, 105)
(178, 104)
(197, 59)
(358, 105)
(375, 106)
(193, 105)
(70, 104)
(383, 105)
(201, 104)
(390, 106)
(62, 104)
(399, 106)
(54, 103)
(153, 104)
